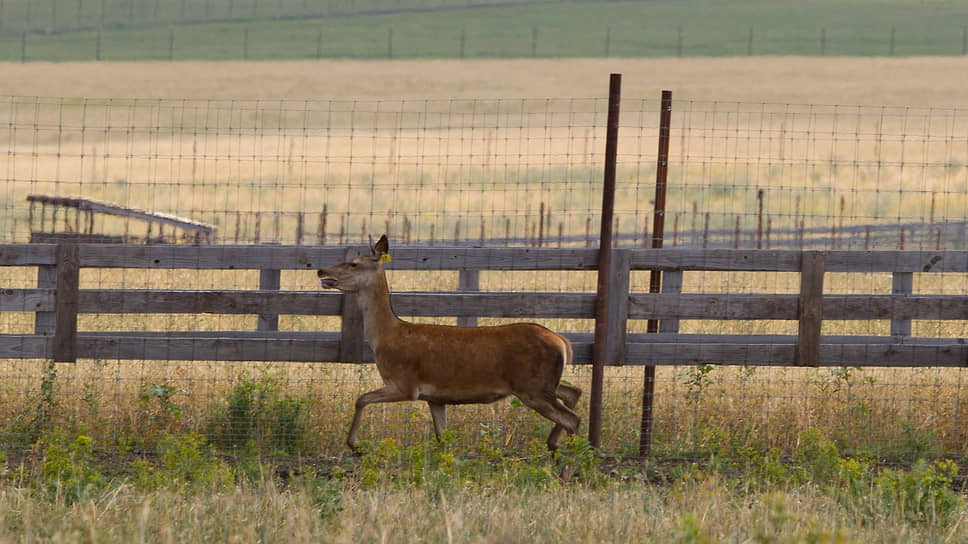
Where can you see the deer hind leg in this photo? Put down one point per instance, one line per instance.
(550, 407)
(387, 393)
(569, 395)
(439, 414)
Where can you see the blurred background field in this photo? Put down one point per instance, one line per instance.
(125, 30)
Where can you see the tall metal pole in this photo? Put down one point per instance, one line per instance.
(604, 261)
(655, 277)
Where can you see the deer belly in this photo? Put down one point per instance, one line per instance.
(438, 396)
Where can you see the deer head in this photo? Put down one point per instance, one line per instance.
(359, 273)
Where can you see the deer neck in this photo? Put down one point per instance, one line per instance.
(378, 317)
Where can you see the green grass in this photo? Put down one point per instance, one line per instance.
(293, 29)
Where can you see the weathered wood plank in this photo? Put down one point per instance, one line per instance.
(190, 347)
(945, 307)
(295, 346)
(897, 261)
(716, 259)
(27, 300)
(25, 346)
(65, 303)
(313, 257)
(665, 306)
(481, 304)
(224, 257)
(489, 304)
(424, 258)
(27, 254)
(504, 258)
(736, 339)
(864, 355)
(810, 308)
(789, 260)
(324, 348)
(142, 301)
(781, 306)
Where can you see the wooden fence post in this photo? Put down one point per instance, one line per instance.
(44, 322)
(468, 280)
(65, 303)
(618, 307)
(902, 283)
(810, 309)
(671, 283)
(269, 280)
(351, 338)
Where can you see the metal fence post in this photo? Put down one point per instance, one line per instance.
(655, 277)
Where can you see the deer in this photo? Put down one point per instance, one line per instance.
(444, 364)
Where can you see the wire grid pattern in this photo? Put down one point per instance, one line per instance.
(489, 173)
(311, 172)
(817, 176)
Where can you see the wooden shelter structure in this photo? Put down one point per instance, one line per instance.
(54, 222)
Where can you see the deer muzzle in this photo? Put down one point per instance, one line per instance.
(325, 280)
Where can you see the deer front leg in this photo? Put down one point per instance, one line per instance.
(387, 393)
(439, 414)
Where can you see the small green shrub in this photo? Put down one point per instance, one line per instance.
(577, 459)
(67, 468)
(158, 413)
(922, 494)
(817, 457)
(185, 461)
(256, 417)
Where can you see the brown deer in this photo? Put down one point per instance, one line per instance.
(444, 365)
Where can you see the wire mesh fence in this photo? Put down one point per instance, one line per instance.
(482, 173)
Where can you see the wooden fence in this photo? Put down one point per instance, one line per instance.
(57, 300)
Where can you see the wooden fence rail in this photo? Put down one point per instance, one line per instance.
(58, 299)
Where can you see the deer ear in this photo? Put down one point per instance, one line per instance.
(382, 246)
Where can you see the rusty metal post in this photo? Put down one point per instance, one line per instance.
(655, 277)
(604, 261)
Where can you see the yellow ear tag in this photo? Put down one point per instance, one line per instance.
(384, 257)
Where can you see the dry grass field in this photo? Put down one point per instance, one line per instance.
(756, 417)
(907, 82)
